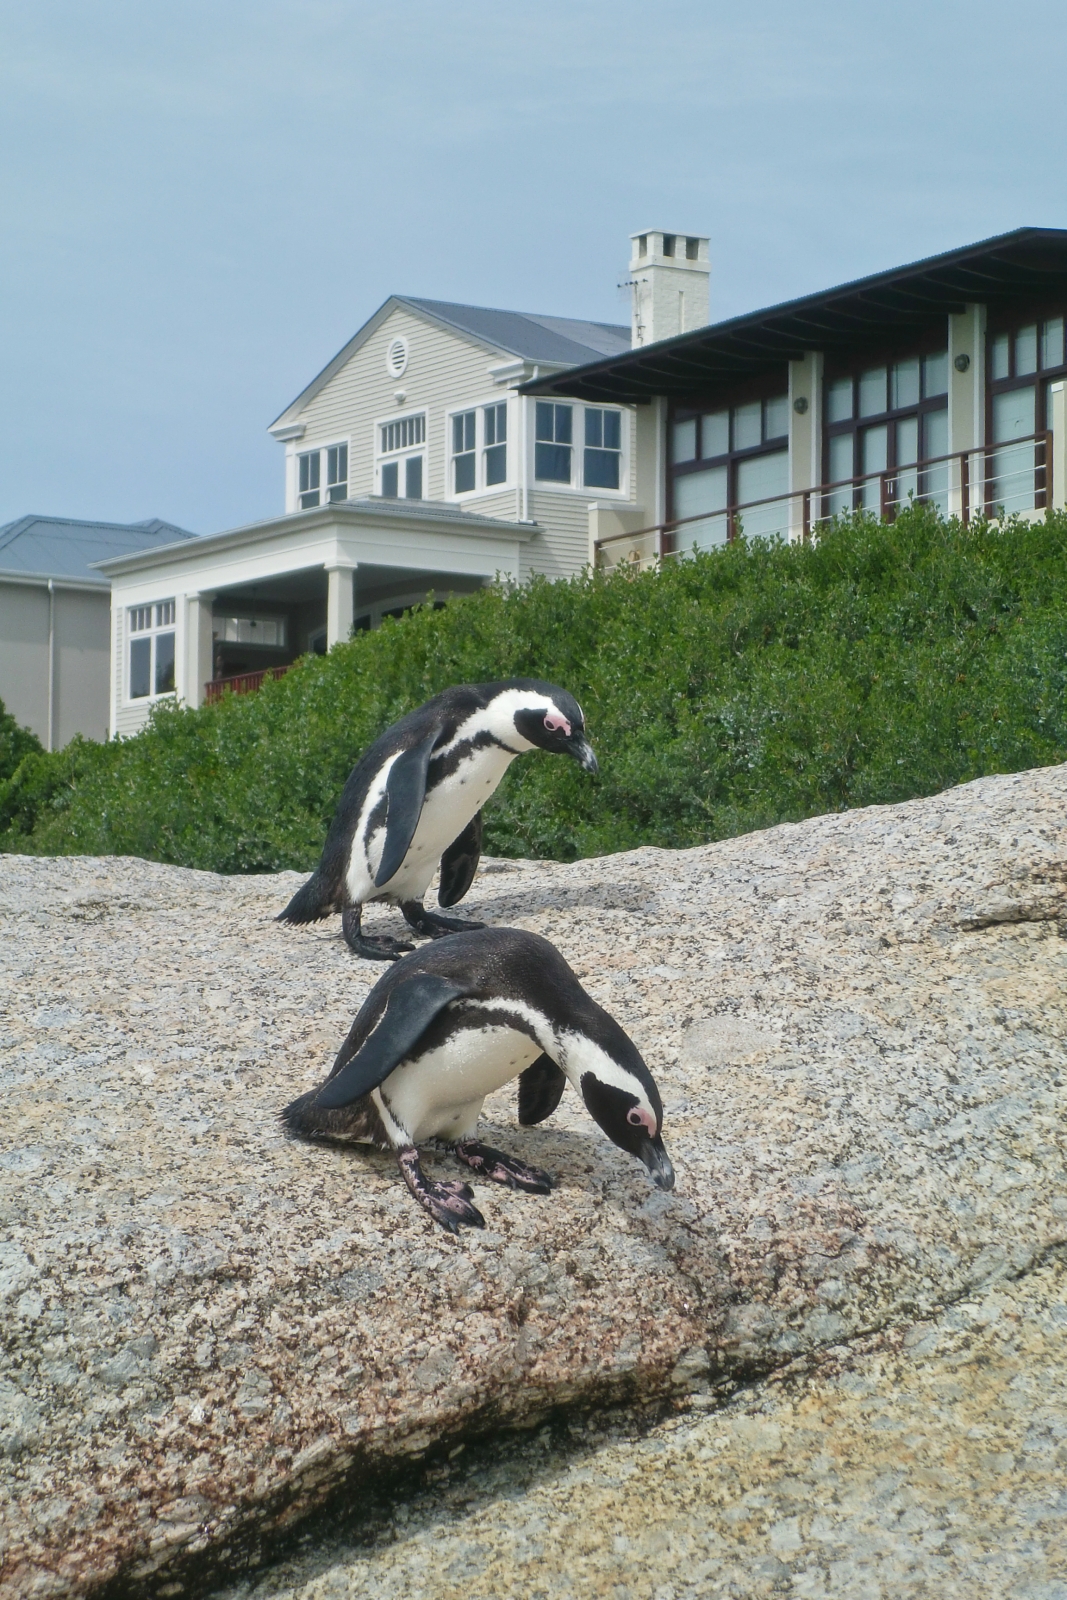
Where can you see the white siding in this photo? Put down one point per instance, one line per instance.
(443, 372)
(563, 548)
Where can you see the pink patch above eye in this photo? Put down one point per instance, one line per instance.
(554, 722)
(641, 1119)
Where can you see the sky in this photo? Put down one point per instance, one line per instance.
(202, 200)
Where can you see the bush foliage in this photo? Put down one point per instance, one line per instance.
(756, 684)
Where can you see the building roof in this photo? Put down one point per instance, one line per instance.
(67, 548)
(429, 515)
(544, 341)
(556, 340)
(1028, 262)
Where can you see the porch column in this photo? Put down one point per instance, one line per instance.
(805, 434)
(966, 399)
(198, 666)
(1057, 500)
(340, 604)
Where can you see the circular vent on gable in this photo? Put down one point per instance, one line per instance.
(396, 358)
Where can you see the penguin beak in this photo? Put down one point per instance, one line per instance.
(658, 1163)
(582, 751)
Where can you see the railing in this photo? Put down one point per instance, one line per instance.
(243, 683)
(993, 479)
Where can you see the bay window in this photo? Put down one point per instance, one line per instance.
(323, 470)
(553, 435)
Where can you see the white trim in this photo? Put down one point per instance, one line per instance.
(577, 484)
(324, 487)
(383, 458)
(481, 488)
(152, 632)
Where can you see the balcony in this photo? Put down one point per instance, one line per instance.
(242, 683)
(996, 480)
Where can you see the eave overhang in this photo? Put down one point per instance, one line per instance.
(1029, 263)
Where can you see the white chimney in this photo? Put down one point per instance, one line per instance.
(670, 276)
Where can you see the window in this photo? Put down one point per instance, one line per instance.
(603, 448)
(151, 650)
(496, 442)
(1024, 358)
(464, 455)
(725, 458)
(599, 461)
(401, 477)
(335, 460)
(269, 631)
(882, 423)
(553, 434)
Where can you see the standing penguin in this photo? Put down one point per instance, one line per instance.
(453, 1022)
(416, 797)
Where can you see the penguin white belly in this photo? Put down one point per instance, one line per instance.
(441, 1094)
(446, 811)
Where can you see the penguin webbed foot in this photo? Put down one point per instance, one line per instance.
(372, 947)
(432, 925)
(448, 1202)
(496, 1167)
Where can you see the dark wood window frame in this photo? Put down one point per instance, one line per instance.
(1012, 323)
(853, 366)
(694, 408)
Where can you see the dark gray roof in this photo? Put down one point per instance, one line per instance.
(1027, 264)
(533, 338)
(63, 547)
(554, 341)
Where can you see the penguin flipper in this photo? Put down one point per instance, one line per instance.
(541, 1089)
(406, 788)
(460, 862)
(411, 1008)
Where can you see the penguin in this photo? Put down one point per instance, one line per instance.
(415, 799)
(451, 1023)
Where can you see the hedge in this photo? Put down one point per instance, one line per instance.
(751, 685)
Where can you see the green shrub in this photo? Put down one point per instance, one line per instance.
(757, 684)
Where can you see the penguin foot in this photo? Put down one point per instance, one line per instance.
(372, 947)
(431, 924)
(449, 1203)
(499, 1168)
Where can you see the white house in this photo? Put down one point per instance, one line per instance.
(413, 465)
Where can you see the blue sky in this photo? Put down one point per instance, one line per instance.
(203, 201)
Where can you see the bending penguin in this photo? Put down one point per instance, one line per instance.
(451, 1023)
(415, 799)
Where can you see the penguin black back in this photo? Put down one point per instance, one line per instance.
(452, 1022)
(414, 799)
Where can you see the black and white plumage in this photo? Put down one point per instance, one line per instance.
(453, 1022)
(415, 799)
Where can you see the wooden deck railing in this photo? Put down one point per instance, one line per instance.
(243, 682)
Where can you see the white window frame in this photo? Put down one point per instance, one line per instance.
(401, 455)
(150, 621)
(324, 486)
(577, 484)
(481, 486)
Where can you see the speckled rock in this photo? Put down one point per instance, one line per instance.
(929, 1460)
(857, 1024)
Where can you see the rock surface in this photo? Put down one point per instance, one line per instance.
(857, 1024)
(931, 1460)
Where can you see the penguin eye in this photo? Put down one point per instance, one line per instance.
(634, 1118)
(555, 723)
